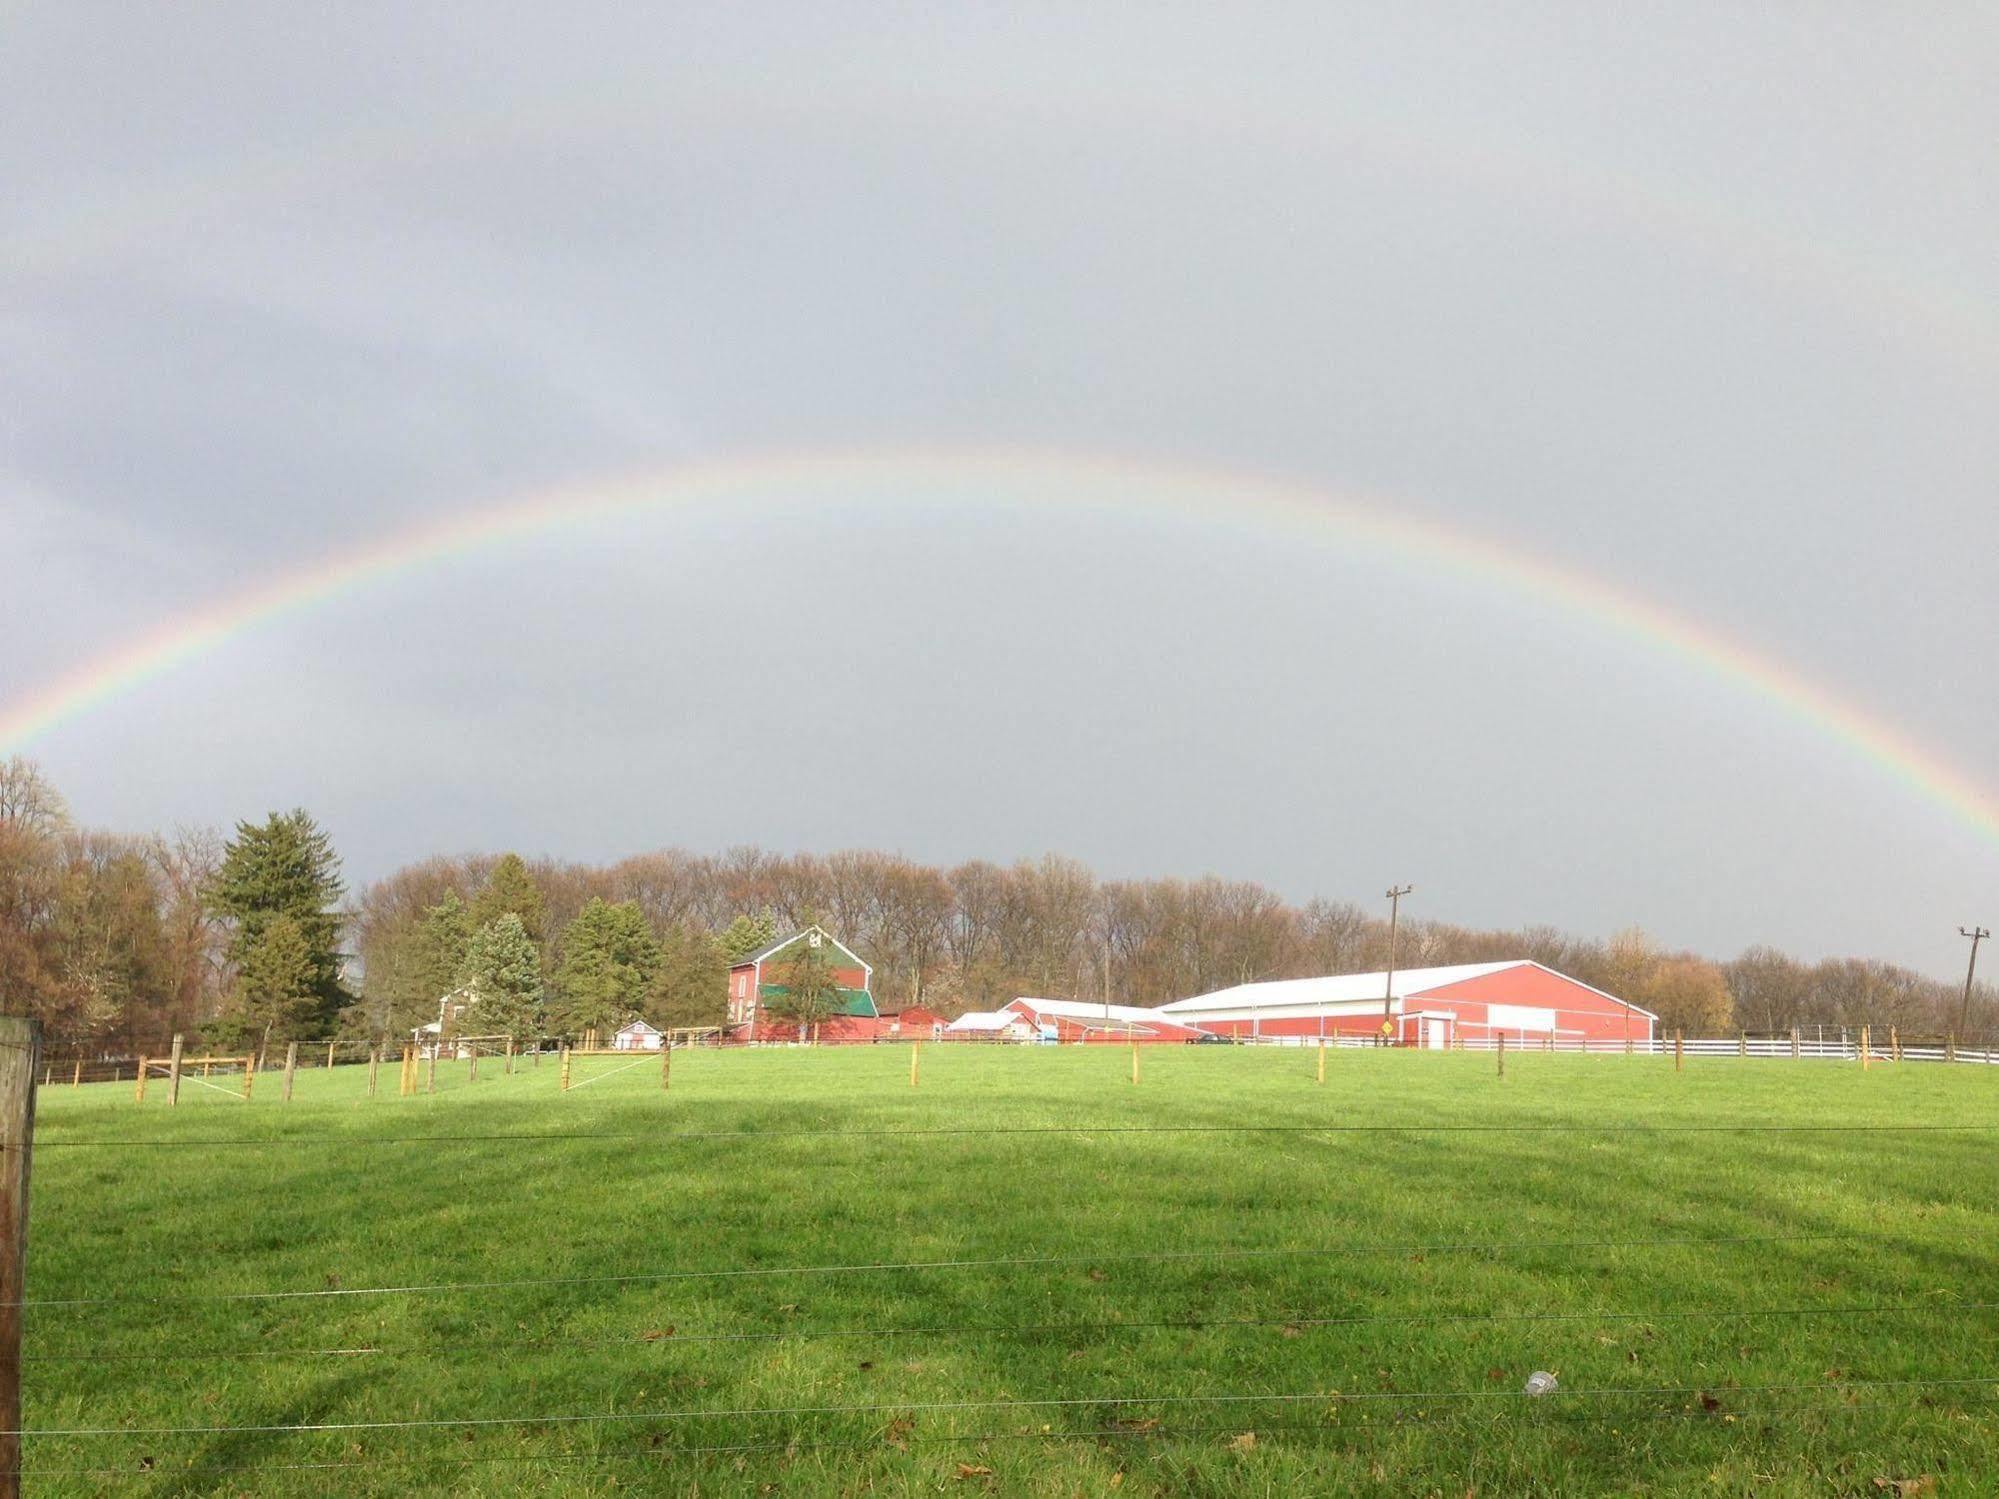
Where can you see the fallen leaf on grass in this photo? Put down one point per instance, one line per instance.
(1148, 1423)
(1098, 1275)
(654, 1334)
(1292, 1330)
(1907, 1488)
(897, 1435)
(974, 1470)
(1244, 1443)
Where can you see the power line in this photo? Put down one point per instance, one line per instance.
(933, 1407)
(1499, 1246)
(1029, 1329)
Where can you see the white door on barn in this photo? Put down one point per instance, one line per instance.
(1436, 1033)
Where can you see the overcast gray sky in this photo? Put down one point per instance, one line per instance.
(1698, 300)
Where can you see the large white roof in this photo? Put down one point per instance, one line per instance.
(984, 1020)
(1337, 989)
(1079, 1009)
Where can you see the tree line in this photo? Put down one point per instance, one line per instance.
(117, 940)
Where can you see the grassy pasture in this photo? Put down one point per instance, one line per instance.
(1470, 1258)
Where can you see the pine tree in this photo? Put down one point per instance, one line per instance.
(748, 934)
(276, 998)
(437, 954)
(610, 960)
(692, 987)
(511, 889)
(803, 987)
(502, 968)
(285, 870)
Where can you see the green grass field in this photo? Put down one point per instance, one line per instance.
(1802, 1312)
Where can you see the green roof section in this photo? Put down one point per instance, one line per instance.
(852, 1001)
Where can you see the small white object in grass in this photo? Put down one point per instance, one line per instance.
(1540, 1382)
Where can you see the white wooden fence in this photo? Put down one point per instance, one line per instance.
(1802, 1047)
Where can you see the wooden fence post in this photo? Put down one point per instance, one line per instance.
(1797, 1047)
(374, 1066)
(329, 1055)
(1502, 1053)
(430, 1073)
(139, 1093)
(1950, 1046)
(77, 1081)
(1895, 1042)
(510, 1056)
(1866, 1058)
(173, 1075)
(565, 1068)
(472, 1064)
(915, 1058)
(1679, 1051)
(1742, 1043)
(20, 1054)
(291, 1066)
(249, 1074)
(665, 1063)
(1322, 1059)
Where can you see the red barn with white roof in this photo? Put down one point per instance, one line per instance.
(1433, 1007)
(1077, 1020)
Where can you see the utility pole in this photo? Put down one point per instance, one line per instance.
(1395, 894)
(1977, 934)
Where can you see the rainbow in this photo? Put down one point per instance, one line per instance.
(1068, 481)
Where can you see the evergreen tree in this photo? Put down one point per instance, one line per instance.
(692, 987)
(511, 889)
(748, 934)
(284, 870)
(804, 986)
(610, 960)
(502, 968)
(437, 956)
(276, 998)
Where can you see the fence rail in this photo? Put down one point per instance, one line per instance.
(1785, 1047)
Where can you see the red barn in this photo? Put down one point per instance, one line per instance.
(915, 1023)
(757, 979)
(1070, 1020)
(1433, 1007)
